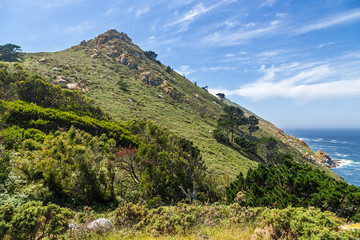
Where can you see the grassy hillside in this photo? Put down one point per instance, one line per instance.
(112, 70)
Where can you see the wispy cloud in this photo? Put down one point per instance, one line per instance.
(268, 3)
(141, 11)
(231, 38)
(185, 70)
(331, 21)
(305, 82)
(217, 68)
(79, 28)
(198, 10)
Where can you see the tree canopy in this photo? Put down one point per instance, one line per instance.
(10, 52)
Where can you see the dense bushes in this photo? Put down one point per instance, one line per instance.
(297, 185)
(164, 162)
(46, 119)
(18, 84)
(33, 220)
(183, 219)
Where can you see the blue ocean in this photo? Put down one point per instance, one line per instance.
(340, 144)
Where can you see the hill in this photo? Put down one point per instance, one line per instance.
(179, 163)
(130, 83)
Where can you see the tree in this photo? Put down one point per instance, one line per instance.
(10, 52)
(169, 69)
(150, 54)
(253, 124)
(221, 96)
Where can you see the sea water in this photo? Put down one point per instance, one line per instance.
(339, 144)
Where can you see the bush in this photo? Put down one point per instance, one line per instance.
(297, 185)
(247, 145)
(33, 221)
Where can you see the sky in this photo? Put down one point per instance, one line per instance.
(294, 63)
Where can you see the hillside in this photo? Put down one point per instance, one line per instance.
(180, 163)
(130, 85)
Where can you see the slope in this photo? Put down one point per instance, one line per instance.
(131, 84)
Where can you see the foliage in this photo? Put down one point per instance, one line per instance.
(73, 165)
(300, 223)
(184, 220)
(46, 119)
(246, 144)
(17, 84)
(221, 96)
(33, 220)
(253, 122)
(10, 52)
(298, 185)
(152, 55)
(163, 163)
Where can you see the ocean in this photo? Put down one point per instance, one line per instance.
(339, 144)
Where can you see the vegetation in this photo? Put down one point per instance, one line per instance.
(65, 160)
(10, 52)
(297, 185)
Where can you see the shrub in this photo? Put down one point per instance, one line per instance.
(35, 221)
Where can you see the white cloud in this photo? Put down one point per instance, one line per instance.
(325, 44)
(79, 28)
(198, 10)
(230, 55)
(141, 11)
(331, 21)
(185, 70)
(217, 68)
(268, 3)
(305, 82)
(231, 38)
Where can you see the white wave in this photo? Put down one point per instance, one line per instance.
(317, 140)
(333, 141)
(341, 155)
(345, 162)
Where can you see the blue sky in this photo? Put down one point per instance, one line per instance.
(295, 63)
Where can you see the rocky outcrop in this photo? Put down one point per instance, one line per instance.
(324, 159)
(147, 78)
(171, 91)
(83, 43)
(123, 59)
(132, 64)
(111, 35)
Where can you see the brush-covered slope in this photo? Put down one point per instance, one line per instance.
(131, 84)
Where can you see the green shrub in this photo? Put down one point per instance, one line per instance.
(35, 221)
(297, 185)
(247, 145)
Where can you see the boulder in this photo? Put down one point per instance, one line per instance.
(102, 224)
(132, 64)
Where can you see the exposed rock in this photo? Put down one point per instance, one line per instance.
(132, 64)
(71, 86)
(110, 35)
(55, 69)
(83, 43)
(324, 159)
(100, 224)
(123, 59)
(170, 90)
(62, 80)
(94, 56)
(42, 60)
